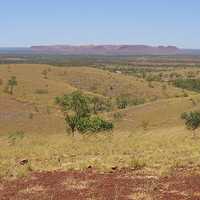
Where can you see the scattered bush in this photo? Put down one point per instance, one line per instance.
(48, 109)
(137, 164)
(15, 136)
(192, 120)
(117, 116)
(145, 125)
(194, 103)
(44, 73)
(36, 108)
(41, 91)
(152, 77)
(122, 102)
(92, 124)
(150, 85)
(12, 82)
(30, 116)
(189, 84)
(137, 101)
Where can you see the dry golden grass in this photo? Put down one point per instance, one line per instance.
(32, 112)
(112, 84)
(158, 114)
(150, 136)
(61, 80)
(159, 151)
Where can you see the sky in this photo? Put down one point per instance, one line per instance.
(79, 22)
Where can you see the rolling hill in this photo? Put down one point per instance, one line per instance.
(32, 107)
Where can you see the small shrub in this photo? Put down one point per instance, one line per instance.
(1, 81)
(48, 109)
(150, 84)
(185, 94)
(12, 82)
(30, 116)
(184, 115)
(137, 164)
(36, 108)
(122, 102)
(93, 124)
(145, 125)
(15, 136)
(117, 116)
(44, 73)
(193, 102)
(154, 98)
(41, 91)
(136, 101)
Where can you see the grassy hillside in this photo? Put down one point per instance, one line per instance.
(113, 84)
(162, 113)
(149, 136)
(59, 80)
(31, 108)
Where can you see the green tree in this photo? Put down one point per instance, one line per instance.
(192, 120)
(71, 121)
(77, 111)
(75, 102)
(12, 82)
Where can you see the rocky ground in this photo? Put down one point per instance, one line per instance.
(114, 185)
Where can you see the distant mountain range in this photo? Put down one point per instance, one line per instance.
(106, 49)
(113, 50)
(102, 50)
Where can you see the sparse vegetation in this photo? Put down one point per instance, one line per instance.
(15, 136)
(124, 101)
(12, 82)
(117, 115)
(45, 73)
(1, 81)
(150, 138)
(41, 91)
(189, 84)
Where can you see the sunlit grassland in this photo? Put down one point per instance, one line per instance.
(158, 151)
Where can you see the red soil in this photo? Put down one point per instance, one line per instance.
(89, 184)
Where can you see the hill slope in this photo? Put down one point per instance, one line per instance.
(32, 107)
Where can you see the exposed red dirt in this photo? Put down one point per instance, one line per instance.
(89, 184)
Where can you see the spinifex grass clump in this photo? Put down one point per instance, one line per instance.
(80, 114)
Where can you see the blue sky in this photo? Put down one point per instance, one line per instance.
(152, 22)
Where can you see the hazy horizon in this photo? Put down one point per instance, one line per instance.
(77, 45)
